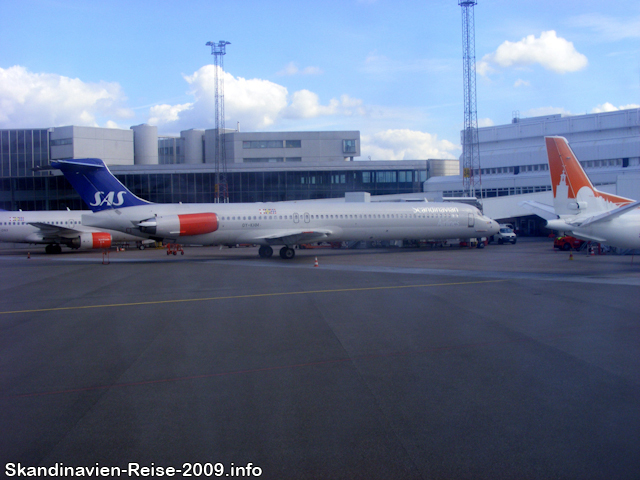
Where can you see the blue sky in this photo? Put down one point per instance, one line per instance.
(390, 69)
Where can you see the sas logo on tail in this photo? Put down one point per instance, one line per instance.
(108, 199)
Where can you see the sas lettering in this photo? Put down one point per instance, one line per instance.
(108, 199)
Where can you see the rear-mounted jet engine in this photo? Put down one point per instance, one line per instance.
(180, 225)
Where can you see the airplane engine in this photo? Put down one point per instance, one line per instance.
(87, 241)
(180, 225)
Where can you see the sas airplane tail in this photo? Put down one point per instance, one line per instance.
(97, 186)
(573, 193)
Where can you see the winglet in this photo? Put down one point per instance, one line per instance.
(97, 186)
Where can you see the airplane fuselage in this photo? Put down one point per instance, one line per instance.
(623, 232)
(54, 228)
(268, 223)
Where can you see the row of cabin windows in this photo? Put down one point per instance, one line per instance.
(361, 216)
(73, 222)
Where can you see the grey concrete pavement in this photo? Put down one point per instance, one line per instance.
(507, 362)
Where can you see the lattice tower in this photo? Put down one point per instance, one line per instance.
(472, 180)
(218, 50)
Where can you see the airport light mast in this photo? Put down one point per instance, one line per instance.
(218, 50)
(471, 177)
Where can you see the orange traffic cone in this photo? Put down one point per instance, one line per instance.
(316, 262)
(571, 256)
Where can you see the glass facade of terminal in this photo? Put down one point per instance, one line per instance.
(55, 193)
(22, 150)
(22, 188)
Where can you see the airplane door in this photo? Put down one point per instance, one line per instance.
(306, 218)
(296, 218)
(471, 219)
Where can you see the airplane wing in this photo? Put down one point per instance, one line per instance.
(292, 237)
(541, 209)
(48, 231)
(605, 217)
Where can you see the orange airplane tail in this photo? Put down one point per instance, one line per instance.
(573, 192)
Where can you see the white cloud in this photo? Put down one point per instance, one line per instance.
(306, 104)
(521, 83)
(485, 122)
(608, 107)
(44, 99)
(550, 51)
(257, 104)
(405, 145)
(161, 114)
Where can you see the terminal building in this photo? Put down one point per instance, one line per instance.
(514, 166)
(280, 166)
(261, 166)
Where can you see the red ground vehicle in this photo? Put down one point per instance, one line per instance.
(567, 243)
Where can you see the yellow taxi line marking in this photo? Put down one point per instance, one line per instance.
(254, 295)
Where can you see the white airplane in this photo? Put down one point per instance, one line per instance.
(582, 211)
(281, 223)
(57, 228)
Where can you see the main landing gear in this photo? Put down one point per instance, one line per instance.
(286, 253)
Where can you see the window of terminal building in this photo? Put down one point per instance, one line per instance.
(386, 177)
(262, 144)
(404, 177)
(62, 141)
(349, 146)
(293, 144)
(263, 160)
(293, 159)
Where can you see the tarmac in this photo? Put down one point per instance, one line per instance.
(508, 362)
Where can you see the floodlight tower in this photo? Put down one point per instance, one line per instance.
(218, 50)
(471, 178)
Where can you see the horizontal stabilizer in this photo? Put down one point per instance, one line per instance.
(605, 217)
(82, 162)
(541, 209)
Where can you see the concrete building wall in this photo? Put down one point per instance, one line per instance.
(114, 146)
(193, 146)
(145, 144)
(513, 157)
(294, 146)
(608, 135)
(443, 167)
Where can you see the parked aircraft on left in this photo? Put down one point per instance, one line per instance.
(57, 228)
